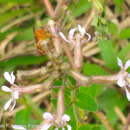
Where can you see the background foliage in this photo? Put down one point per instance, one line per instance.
(110, 28)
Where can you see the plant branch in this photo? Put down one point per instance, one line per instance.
(127, 125)
(49, 8)
(86, 80)
(104, 120)
(90, 18)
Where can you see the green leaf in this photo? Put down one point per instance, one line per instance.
(99, 5)
(109, 100)
(16, 1)
(125, 33)
(108, 53)
(86, 102)
(113, 28)
(93, 91)
(23, 61)
(72, 121)
(118, 4)
(22, 117)
(93, 69)
(6, 17)
(35, 108)
(122, 54)
(27, 35)
(81, 7)
(90, 127)
(85, 127)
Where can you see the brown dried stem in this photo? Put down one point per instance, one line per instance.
(68, 53)
(58, 8)
(127, 126)
(90, 18)
(49, 8)
(60, 104)
(104, 120)
(19, 20)
(120, 115)
(85, 80)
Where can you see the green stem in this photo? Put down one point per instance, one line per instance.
(75, 108)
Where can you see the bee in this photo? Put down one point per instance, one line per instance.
(41, 34)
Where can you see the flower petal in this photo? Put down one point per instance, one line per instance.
(69, 127)
(81, 30)
(127, 94)
(127, 65)
(12, 77)
(47, 116)
(7, 104)
(7, 76)
(71, 33)
(89, 36)
(63, 36)
(56, 128)
(18, 127)
(121, 82)
(128, 75)
(14, 104)
(6, 89)
(46, 126)
(119, 62)
(65, 117)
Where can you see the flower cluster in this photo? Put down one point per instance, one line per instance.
(71, 36)
(10, 77)
(122, 81)
(51, 120)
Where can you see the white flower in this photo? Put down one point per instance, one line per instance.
(9, 77)
(18, 127)
(65, 119)
(122, 80)
(72, 31)
(52, 121)
(14, 93)
(47, 116)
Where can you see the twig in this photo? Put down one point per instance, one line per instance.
(55, 37)
(68, 53)
(6, 41)
(49, 8)
(125, 23)
(120, 115)
(85, 80)
(89, 45)
(90, 17)
(33, 88)
(91, 52)
(127, 125)
(31, 73)
(104, 120)
(97, 61)
(60, 104)
(58, 8)
(19, 20)
(22, 48)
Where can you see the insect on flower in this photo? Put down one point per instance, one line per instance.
(41, 34)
